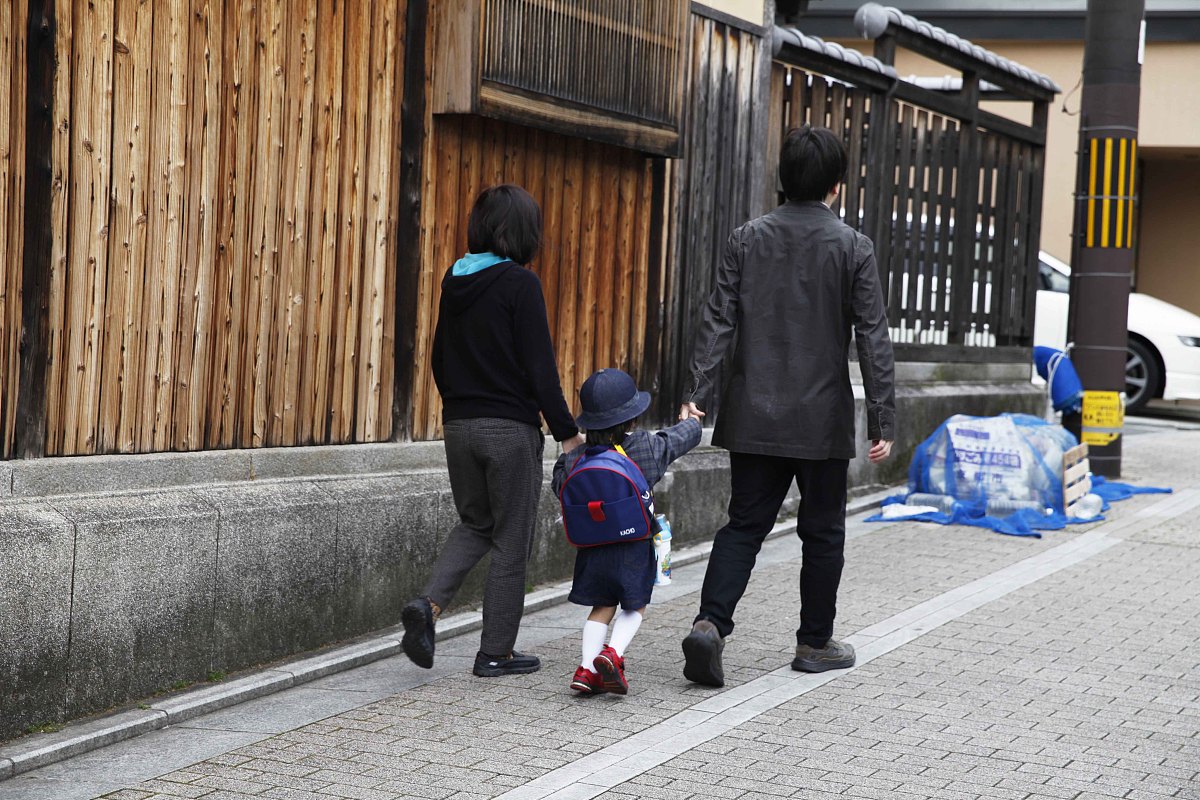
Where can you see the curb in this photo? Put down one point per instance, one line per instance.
(83, 737)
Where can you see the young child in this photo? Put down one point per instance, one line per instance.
(620, 574)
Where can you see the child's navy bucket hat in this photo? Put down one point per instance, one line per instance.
(610, 397)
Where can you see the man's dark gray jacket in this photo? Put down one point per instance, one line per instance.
(791, 286)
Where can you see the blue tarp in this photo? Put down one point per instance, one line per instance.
(1003, 473)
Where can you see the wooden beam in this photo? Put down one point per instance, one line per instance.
(953, 57)
(834, 68)
(408, 214)
(40, 65)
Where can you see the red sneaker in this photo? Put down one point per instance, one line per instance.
(586, 681)
(612, 671)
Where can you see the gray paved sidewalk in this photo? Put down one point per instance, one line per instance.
(990, 666)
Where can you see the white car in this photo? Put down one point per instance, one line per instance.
(1164, 340)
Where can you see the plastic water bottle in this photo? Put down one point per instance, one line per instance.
(942, 502)
(662, 552)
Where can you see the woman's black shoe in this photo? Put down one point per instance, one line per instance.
(417, 617)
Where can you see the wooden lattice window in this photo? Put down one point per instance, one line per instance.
(610, 70)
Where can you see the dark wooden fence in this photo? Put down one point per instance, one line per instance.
(909, 193)
(950, 194)
(716, 186)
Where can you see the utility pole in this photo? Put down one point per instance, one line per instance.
(1102, 256)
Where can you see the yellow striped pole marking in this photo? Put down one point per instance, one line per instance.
(1105, 205)
(1121, 191)
(1091, 223)
(1133, 188)
(1111, 190)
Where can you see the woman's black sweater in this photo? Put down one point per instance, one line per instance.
(492, 352)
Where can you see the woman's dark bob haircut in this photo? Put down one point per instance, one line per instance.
(812, 162)
(505, 220)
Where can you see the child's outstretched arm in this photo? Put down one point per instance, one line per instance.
(671, 443)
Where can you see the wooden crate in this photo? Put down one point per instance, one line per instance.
(1076, 476)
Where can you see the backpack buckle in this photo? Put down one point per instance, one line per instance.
(596, 509)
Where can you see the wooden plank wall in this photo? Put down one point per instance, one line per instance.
(596, 202)
(224, 223)
(13, 32)
(713, 186)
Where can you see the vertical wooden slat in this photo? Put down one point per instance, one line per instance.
(447, 135)
(948, 202)
(353, 209)
(39, 100)
(837, 124)
(133, 43)
(176, 168)
(533, 169)
(396, 86)
(984, 252)
(589, 267)
(900, 191)
(196, 338)
(91, 153)
(379, 181)
(917, 228)
(327, 222)
(629, 288)
(776, 129)
(17, 107)
(292, 225)
(607, 178)
(224, 208)
(853, 191)
(1009, 312)
(644, 298)
(277, 261)
(414, 134)
(235, 384)
(929, 256)
(61, 181)
(570, 274)
(11, 94)
(552, 214)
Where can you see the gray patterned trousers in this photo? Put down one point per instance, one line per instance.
(496, 475)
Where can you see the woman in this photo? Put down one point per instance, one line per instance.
(494, 365)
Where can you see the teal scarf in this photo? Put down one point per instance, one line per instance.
(476, 262)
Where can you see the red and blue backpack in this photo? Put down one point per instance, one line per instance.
(605, 499)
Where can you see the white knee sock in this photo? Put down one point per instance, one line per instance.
(593, 642)
(624, 627)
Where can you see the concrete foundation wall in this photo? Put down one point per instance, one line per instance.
(193, 563)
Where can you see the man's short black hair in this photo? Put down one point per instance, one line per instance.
(812, 162)
(505, 220)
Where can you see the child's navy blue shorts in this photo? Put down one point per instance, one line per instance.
(619, 574)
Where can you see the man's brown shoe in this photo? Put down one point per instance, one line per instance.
(702, 655)
(834, 655)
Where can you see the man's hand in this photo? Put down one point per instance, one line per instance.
(689, 410)
(575, 441)
(880, 450)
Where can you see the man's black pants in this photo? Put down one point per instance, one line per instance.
(760, 484)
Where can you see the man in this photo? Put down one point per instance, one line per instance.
(791, 284)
